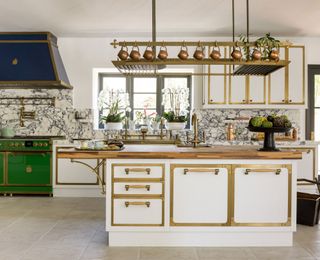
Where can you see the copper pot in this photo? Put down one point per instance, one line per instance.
(274, 55)
(163, 53)
(215, 54)
(123, 53)
(183, 53)
(135, 53)
(236, 54)
(148, 53)
(256, 54)
(199, 53)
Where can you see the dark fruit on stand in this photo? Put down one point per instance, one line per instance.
(270, 118)
(270, 121)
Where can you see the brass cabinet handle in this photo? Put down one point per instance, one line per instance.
(146, 170)
(215, 171)
(276, 171)
(137, 203)
(244, 101)
(127, 187)
(290, 100)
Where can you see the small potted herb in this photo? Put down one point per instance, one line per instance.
(155, 122)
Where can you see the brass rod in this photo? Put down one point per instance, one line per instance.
(189, 43)
(233, 25)
(154, 31)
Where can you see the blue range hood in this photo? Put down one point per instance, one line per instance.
(31, 60)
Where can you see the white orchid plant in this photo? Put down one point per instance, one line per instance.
(111, 102)
(176, 99)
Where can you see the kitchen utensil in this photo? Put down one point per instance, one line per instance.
(274, 55)
(256, 54)
(183, 53)
(199, 53)
(7, 132)
(123, 53)
(148, 53)
(215, 54)
(163, 53)
(135, 53)
(236, 53)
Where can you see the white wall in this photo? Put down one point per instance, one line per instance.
(81, 55)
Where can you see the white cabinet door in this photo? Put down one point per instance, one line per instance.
(257, 90)
(296, 77)
(261, 195)
(73, 173)
(238, 89)
(199, 195)
(277, 83)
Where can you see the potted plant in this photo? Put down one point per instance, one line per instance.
(175, 122)
(270, 47)
(113, 105)
(113, 121)
(176, 103)
(155, 122)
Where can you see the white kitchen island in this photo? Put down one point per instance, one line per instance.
(220, 196)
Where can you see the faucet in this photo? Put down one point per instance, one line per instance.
(194, 122)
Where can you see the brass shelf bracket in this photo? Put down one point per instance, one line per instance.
(95, 170)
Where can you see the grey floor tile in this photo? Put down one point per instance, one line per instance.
(163, 253)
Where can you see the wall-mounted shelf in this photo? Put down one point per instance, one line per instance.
(22, 101)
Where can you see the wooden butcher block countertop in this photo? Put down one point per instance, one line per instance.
(174, 152)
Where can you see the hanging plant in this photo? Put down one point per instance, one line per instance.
(267, 44)
(245, 48)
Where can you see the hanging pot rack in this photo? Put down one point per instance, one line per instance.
(240, 67)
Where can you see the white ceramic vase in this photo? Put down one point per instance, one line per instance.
(113, 126)
(175, 125)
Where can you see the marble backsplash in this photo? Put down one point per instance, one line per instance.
(63, 119)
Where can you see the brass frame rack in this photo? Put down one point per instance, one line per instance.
(22, 101)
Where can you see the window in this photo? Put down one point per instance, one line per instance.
(145, 93)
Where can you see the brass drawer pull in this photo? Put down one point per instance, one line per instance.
(215, 171)
(276, 171)
(146, 170)
(147, 187)
(137, 203)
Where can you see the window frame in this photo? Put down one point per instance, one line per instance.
(160, 80)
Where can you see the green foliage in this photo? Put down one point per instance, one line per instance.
(245, 48)
(267, 43)
(114, 115)
(171, 117)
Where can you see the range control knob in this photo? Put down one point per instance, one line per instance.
(11, 144)
(45, 144)
(16, 144)
(40, 144)
(35, 144)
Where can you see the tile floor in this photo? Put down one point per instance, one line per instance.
(41, 228)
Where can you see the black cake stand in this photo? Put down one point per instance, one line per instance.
(269, 143)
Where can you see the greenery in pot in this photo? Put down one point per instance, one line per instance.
(114, 116)
(113, 104)
(172, 118)
(175, 98)
(267, 44)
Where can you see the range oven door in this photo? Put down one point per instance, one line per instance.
(29, 168)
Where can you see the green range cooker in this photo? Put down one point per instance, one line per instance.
(26, 165)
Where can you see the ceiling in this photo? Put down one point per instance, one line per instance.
(106, 18)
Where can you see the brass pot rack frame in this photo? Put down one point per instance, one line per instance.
(245, 66)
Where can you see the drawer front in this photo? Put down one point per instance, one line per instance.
(133, 171)
(137, 212)
(130, 188)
